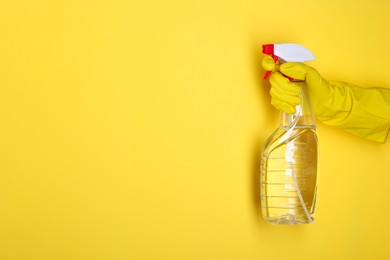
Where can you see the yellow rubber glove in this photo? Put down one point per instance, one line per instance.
(364, 112)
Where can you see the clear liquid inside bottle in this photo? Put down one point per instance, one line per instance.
(289, 168)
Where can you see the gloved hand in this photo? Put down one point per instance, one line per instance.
(364, 112)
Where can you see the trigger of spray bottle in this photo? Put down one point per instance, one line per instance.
(269, 49)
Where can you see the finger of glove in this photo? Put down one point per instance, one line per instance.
(292, 100)
(283, 85)
(268, 63)
(280, 105)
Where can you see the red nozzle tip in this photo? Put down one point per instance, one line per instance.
(268, 49)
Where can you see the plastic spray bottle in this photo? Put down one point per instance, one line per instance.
(290, 154)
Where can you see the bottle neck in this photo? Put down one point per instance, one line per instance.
(304, 116)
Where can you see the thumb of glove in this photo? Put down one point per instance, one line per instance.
(300, 71)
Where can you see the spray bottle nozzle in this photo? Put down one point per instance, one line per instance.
(268, 49)
(289, 52)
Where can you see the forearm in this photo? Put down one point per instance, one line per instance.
(364, 112)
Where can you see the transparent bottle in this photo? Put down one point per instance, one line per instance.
(289, 167)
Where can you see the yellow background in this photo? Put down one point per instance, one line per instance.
(133, 129)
